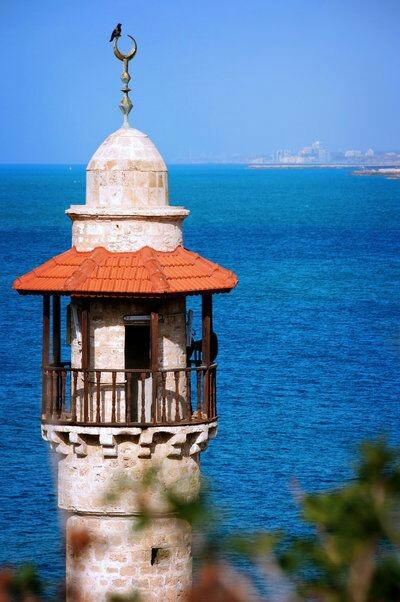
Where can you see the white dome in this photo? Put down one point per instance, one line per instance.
(126, 171)
(127, 149)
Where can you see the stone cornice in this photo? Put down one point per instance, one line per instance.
(168, 213)
(185, 440)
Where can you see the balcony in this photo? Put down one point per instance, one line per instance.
(122, 398)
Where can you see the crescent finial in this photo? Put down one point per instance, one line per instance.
(125, 105)
(129, 55)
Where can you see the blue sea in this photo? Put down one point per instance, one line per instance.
(309, 341)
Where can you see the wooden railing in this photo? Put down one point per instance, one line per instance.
(128, 397)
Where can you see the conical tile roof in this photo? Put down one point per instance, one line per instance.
(143, 273)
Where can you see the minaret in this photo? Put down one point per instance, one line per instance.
(130, 396)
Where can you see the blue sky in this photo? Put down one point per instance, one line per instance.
(211, 77)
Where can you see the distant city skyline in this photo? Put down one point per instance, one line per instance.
(210, 80)
(317, 153)
(314, 153)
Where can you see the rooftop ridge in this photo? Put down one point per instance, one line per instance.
(83, 272)
(156, 277)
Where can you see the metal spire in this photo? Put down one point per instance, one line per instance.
(125, 105)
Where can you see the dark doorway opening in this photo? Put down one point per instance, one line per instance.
(137, 356)
(137, 347)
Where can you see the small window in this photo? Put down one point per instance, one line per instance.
(159, 555)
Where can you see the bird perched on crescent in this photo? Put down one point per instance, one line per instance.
(116, 33)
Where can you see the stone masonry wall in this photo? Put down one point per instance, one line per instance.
(118, 559)
(84, 481)
(119, 235)
(155, 561)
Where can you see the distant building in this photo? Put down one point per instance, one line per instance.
(351, 154)
(281, 156)
(258, 161)
(324, 156)
(308, 154)
(306, 151)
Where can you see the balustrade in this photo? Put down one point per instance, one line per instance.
(128, 397)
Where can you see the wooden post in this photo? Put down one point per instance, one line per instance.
(57, 352)
(206, 311)
(164, 397)
(45, 354)
(85, 337)
(85, 359)
(46, 331)
(154, 362)
(74, 377)
(128, 398)
(143, 397)
(114, 396)
(177, 396)
(56, 331)
(98, 397)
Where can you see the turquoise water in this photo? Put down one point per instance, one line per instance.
(309, 340)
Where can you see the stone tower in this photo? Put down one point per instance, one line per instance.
(130, 395)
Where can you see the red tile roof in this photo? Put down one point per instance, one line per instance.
(138, 273)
